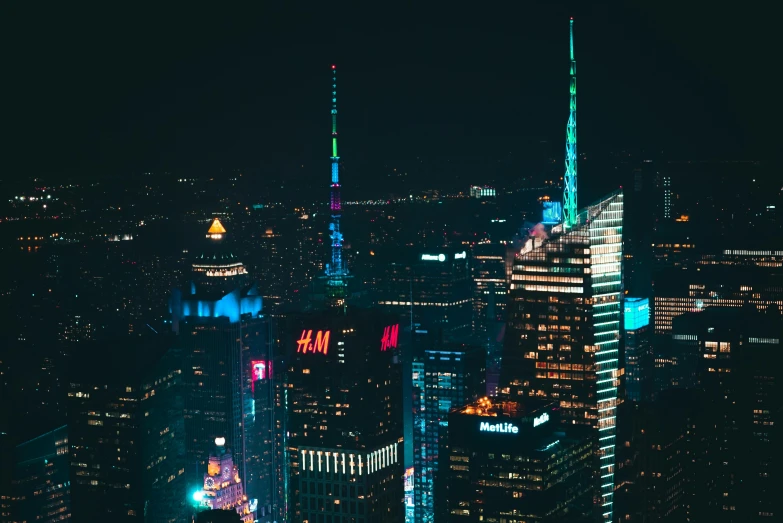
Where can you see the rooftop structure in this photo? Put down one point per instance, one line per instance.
(336, 272)
(223, 488)
(569, 191)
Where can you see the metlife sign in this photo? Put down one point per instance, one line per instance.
(540, 420)
(505, 428)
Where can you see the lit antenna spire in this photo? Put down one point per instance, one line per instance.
(569, 192)
(336, 274)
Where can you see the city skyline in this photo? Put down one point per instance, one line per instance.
(199, 328)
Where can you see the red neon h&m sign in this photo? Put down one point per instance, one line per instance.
(389, 339)
(304, 344)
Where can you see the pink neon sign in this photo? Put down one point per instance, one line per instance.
(389, 339)
(305, 345)
(260, 370)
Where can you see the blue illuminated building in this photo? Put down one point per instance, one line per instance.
(639, 359)
(445, 377)
(221, 333)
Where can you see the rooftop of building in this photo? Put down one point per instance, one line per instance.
(493, 407)
(216, 227)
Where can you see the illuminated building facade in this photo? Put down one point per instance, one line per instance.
(125, 431)
(490, 290)
(217, 264)
(42, 481)
(220, 333)
(344, 426)
(678, 291)
(445, 377)
(513, 462)
(478, 191)
(563, 334)
(433, 286)
(222, 489)
(738, 357)
(639, 360)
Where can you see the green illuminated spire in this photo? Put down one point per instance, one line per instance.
(569, 192)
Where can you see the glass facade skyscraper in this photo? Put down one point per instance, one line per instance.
(563, 334)
(445, 377)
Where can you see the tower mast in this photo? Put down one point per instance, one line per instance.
(569, 192)
(336, 273)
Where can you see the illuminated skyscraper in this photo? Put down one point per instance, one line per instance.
(344, 426)
(514, 462)
(563, 334)
(220, 333)
(447, 376)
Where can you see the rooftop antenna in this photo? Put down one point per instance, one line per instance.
(569, 191)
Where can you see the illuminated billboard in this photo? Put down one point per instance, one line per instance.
(259, 370)
(390, 335)
(408, 495)
(540, 420)
(552, 212)
(433, 257)
(508, 428)
(637, 313)
(305, 344)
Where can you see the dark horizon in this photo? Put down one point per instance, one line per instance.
(104, 91)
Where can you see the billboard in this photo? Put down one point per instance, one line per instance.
(552, 212)
(408, 495)
(259, 370)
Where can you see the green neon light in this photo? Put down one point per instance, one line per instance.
(334, 147)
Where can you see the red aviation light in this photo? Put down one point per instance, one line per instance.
(335, 67)
(390, 335)
(305, 345)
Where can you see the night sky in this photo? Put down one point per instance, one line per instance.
(106, 91)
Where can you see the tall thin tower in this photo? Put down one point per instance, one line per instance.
(569, 193)
(336, 273)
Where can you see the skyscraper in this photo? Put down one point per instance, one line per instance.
(447, 376)
(563, 334)
(431, 288)
(490, 291)
(344, 426)
(126, 431)
(514, 461)
(639, 360)
(738, 357)
(220, 333)
(42, 480)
